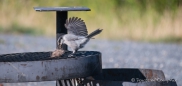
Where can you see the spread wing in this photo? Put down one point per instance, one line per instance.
(76, 26)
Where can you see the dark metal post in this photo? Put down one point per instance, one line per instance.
(61, 17)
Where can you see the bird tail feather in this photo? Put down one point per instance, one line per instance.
(96, 32)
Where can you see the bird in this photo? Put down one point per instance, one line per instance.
(77, 35)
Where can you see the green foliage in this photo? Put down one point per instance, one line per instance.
(2, 41)
(19, 29)
(169, 39)
(1, 28)
(172, 39)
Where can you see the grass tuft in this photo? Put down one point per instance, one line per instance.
(170, 39)
(19, 29)
(2, 41)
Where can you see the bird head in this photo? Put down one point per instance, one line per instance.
(60, 41)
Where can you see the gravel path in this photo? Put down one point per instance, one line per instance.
(115, 54)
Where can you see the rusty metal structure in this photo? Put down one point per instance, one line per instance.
(84, 70)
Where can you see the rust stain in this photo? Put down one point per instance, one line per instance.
(155, 75)
(23, 64)
(44, 78)
(37, 77)
(42, 63)
(150, 74)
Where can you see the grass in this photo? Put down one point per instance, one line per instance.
(120, 19)
(18, 29)
(170, 39)
(2, 41)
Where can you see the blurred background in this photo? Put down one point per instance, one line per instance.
(140, 20)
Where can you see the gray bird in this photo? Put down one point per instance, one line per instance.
(77, 36)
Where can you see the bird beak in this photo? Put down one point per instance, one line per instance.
(61, 42)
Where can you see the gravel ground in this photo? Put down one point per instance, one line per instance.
(115, 54)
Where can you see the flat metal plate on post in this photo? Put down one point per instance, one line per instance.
(36, 66)
(62, 9)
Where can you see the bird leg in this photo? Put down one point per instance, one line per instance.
(73, 53)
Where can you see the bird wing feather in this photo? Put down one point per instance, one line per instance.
(76, 26)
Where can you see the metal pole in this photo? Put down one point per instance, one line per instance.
(61, 17)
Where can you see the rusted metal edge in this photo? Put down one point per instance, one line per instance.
(62, 9)
(49, 70)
